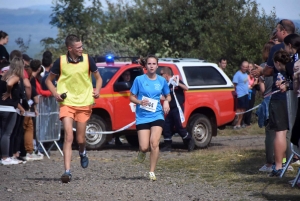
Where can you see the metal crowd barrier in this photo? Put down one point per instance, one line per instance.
(292, 105)
(48, 125)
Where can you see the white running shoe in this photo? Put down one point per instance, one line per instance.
(265, 168)
(9, 161)
(40, 154)
(152, 176)
(19, 161)
(33, 157)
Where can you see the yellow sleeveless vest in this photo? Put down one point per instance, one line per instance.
(75, 79)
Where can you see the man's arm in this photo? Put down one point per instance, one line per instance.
(268, 71)
(98, 84)
(183, 86)
(52, 88)
(259, 71)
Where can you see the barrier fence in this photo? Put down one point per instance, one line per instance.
(292, 105)
(48, 125)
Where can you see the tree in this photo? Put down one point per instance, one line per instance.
(206, 29)
(22, 45)
(202, 28)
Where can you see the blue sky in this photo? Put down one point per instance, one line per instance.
(284, 8)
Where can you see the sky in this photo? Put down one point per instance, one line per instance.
(288, 9)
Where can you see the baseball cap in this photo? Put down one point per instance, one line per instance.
(26, 57)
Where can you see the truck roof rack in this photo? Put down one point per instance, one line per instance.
(182, 59)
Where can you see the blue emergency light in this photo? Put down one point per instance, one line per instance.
(109, 58)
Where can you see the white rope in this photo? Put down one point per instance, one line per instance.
(108, 132)
(182, 119)
(269, 94)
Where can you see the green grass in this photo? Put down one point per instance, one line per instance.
(236, 170)
(253, 129)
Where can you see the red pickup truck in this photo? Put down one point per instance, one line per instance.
(210, 100)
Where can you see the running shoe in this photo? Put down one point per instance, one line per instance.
(275, 173)
(152, 176)
(265, 168)
(141, 156)
(9, 161)
(66, 177)
(84, 160)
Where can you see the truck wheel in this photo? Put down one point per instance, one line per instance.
(201, 130)
(95, 124)
(133, 140)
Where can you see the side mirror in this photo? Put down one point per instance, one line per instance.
(122, 86)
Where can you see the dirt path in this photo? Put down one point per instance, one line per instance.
(113, 174)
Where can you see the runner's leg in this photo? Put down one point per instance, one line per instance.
(154, 144)
(67, 148)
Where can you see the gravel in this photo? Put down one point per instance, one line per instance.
(113, 174)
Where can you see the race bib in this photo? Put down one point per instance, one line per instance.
(151, 106)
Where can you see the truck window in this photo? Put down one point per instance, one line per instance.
(106, 73)
(203, 76)
(134, 72)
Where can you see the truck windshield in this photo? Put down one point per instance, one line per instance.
(106, 73)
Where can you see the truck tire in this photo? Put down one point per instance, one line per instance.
(95, 124)
(201, 130)
(133, 140)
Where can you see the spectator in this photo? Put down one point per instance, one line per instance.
(292, 46)
(35, 68)
(29, 128)
(47, 63)
(240, 81)
(223, 63)
(278, 113)
(4, 56)
(173, 118)
(9, 91)
(265, 86)
(278, 119)
(253, 82)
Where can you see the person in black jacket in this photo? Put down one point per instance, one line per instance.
(173, 118)
(4, 56)
(9, 91)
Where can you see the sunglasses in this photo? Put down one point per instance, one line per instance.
(281, 23)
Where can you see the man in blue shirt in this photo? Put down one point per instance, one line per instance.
(240, 81)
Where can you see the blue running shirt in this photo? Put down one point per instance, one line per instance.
(143, 86)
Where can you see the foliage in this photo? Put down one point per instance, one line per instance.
(206, 29)
(23, 46)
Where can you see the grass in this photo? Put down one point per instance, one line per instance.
(253, 129)
(235, 170)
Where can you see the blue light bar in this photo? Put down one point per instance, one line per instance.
(109, 58)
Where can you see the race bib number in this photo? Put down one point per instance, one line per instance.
(151, 106)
